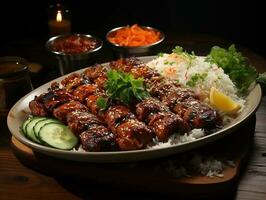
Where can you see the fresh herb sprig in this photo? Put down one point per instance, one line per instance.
(122, 87)
(236, 66)
(179, 50)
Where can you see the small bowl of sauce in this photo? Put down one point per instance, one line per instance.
(74, 51)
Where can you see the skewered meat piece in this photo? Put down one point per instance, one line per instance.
(136, 68)
(143, 71)
(54, 98)
(147, 107)
(91, 103)
(164, 124)
(97, 75)
(94, 72)
(72, 81)
(62, 111)
(116, 115)
(79, 121)
(186, 103)
(126, 64)
(177, 94)
(198, 114)
(160, 89)
(83, 91)
(100, 81)
(44, 104)
(133, 134)
(98, 138)
(37, 108)
(160, 119)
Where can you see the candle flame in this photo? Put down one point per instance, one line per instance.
(59, 16)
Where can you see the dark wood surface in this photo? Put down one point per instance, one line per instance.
(20, 182)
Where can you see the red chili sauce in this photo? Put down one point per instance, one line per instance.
(75, 44)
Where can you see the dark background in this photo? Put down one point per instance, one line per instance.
(25, 22)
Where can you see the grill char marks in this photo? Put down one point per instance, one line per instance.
(137, 69)
(160, 119)
(133, 134)
(93, 135)
(83, 91)
(72, 81)
(149, 106)
(116, 115)
(62, 111)
(96, 74)
(79, 121)
(44, 104)
(98, 138)
(186, 104)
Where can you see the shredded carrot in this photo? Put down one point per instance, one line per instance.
(134, 35)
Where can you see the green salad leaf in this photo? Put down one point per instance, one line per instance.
(235, 65)
(124, 87)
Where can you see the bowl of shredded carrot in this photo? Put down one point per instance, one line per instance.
(134, 40)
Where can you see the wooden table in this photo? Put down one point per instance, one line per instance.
(20, 182)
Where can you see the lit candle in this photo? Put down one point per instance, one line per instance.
(59, 25)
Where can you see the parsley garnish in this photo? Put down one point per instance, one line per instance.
(124, 87)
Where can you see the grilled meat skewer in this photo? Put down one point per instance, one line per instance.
(160, 119)
(94, 136)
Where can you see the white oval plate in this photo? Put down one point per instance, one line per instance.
(20, 111)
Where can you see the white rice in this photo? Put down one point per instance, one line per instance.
(194, 164)
(177, 139)
(182, 69)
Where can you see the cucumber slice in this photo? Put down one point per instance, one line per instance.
(29, 128)
(23, 127)
(40, 124)
(58, 136)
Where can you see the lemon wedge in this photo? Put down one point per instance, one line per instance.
(223, 102)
